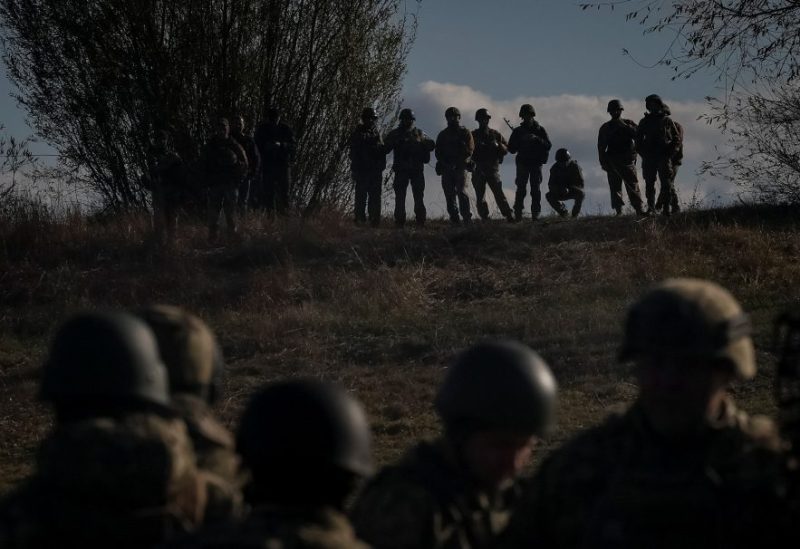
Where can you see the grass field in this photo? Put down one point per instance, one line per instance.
(384, 311)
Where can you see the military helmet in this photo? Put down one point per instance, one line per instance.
(501, 385)
(369, 114)
(526, 109)
(298, 425)
(106, 356)
(685, 317)
(614, 105)
(654, 99)
(407, 114)
(482, 114)
(562, 155)
(451, 112)
(188, 348)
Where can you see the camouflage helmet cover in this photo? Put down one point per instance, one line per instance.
(407, 114)
(482, 114)
(110, 355)
(501, 385)
(187, 347)
(685, 317)
(614, 105)
(562, 155)
(527, 109)
(452, 111)
(295, 425)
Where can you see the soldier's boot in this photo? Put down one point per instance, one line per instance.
(517, 215)
(562, 210)
(618, 210)
(483, 210)
(576, 208)
(534, 215)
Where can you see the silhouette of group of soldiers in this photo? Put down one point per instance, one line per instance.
(137, 458)
(242, 172)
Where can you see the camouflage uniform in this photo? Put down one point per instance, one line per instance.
(427, 500)
(367, 162)
(565, 183)
(412, 150)
(454, 146)
(616, 148)
(529, 141)
(660, 144)
(490, 149)
(617, 485)
(166, 182)
(276, 144)
(249, 182)
(224, 163)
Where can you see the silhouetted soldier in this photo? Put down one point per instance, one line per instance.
(367, 162)
(459, 491)
(412, 150)
(677, 160)
(616, 147)
(490, 149)
(530, 143)
(454, 146)
(224, 163)
(306, 445)
(118, 469)
(166, 182)
(566, 183)
(660, 144)
(275, 141)
(682, 467)
(249, 183)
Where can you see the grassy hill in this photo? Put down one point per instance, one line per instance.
(384, 311)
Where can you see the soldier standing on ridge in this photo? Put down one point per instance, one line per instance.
(659, 141)
(616, 147)
(166, 181)
(249, 182)
(566, 183)
(412, 150)
(459, 491)
(454, 146)
(276, 144)
(682, 467)
(677, 160)
(490, 149)
(367, 162)
(224, 163)
(530, 143)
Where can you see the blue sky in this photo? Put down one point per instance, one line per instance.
(566, 61)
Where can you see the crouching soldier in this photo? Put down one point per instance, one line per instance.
(566, 183)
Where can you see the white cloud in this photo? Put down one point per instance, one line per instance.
(572, 121)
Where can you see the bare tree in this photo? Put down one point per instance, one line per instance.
(96, 76)
(16, 160)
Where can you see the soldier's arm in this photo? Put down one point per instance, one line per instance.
(470, 142)
(427, 143)
(502, 144)
(545, 138)
(513, 142)
(438, 147)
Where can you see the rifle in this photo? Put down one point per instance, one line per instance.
(787, 378)
(508, 123)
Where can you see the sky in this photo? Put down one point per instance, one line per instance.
(565, 61)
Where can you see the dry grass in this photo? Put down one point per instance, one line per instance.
(384, 311)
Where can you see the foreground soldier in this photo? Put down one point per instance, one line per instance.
(616, 147)
(454, 146)
(566, 183)
(224, 164)
(490, 149)
(530, 143)
(118, 469)
(165, 180)
(249, 182)
(306, 445)
(412, 150)
(659, 141)
(276, 144)
(458, 492)
(682, 467)
(367, 162)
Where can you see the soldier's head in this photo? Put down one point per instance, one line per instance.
(483, 117)
(563, 156)
(104, 365)
(407, 118)
(220, 127)
(527, 112)
(369, 117)
(304, 442)
(615, 108)
(237, 124)
(453, 116)
(653, 103)
(496, 400)
(188, 349)
(689, 340)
